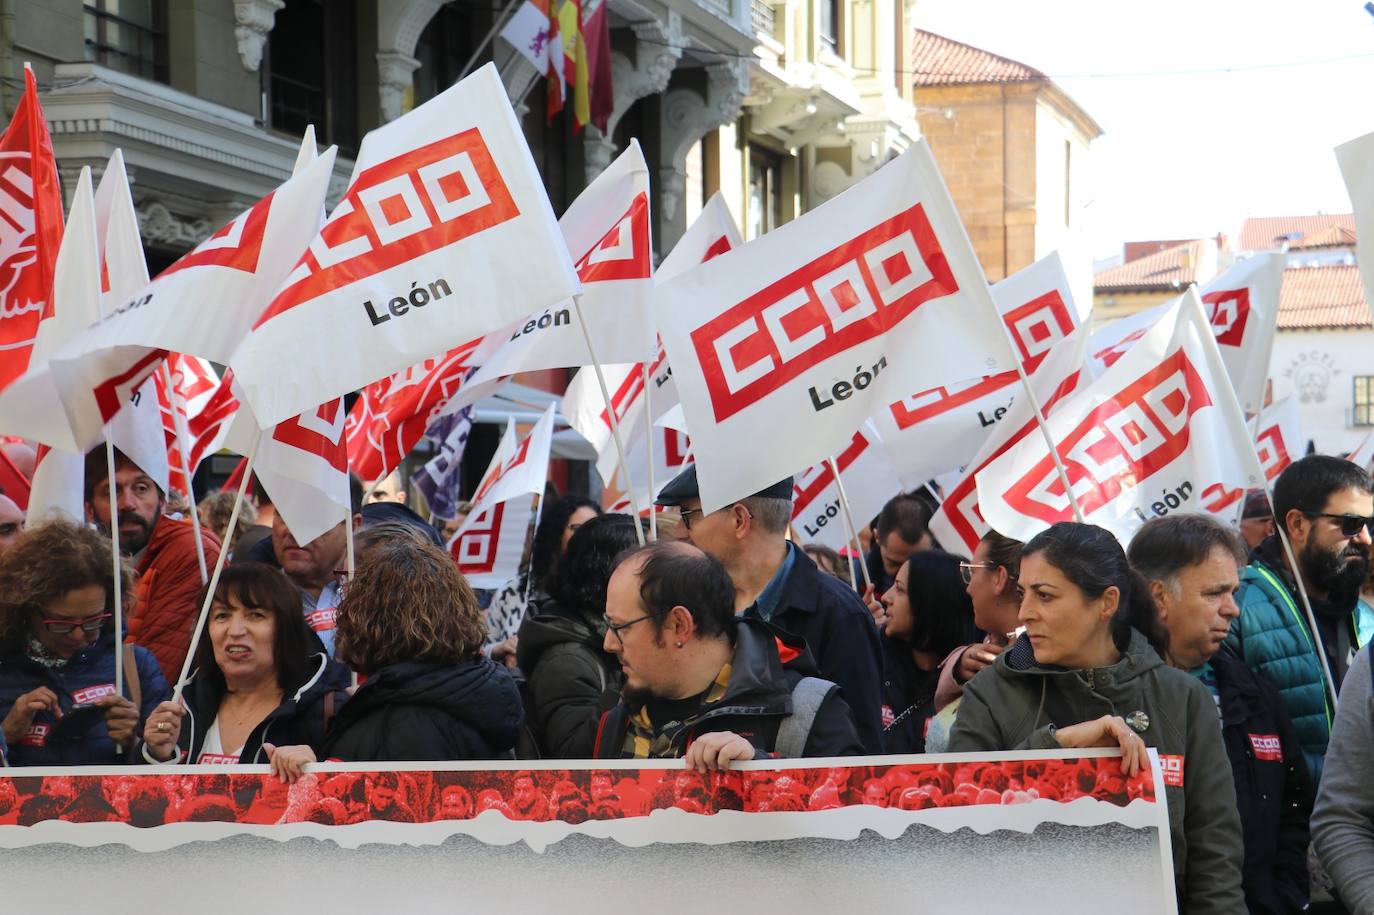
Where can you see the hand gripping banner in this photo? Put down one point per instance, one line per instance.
(793, 340)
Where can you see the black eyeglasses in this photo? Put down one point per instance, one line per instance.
(1350, 525)
(617, 627)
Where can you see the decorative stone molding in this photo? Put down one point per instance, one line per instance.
(685, 118)
(598, 151)
(253, 20)
(160, 226)
(395, 73)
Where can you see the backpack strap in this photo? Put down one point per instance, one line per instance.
(131, 677)
(795, 730)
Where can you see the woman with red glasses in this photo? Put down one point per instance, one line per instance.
(57, 653)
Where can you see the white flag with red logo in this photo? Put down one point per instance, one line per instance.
(205, 406)
(958, 524)
(1278, 443)
(712, 233)
(31, 405)
(1242, 304)
(935, 431)
(869, 481)
(1149, 437)
(782, 348)
(1356, 159)
(444, 234)
(303, 465)
(491, 541)
(672, 454)
(202, 305)
(391, 415)
(607, 227)
(56, 490)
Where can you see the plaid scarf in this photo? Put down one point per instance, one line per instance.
(39, 654)
(645, 741)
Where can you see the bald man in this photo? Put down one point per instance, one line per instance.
(11, 523)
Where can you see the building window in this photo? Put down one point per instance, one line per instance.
(765, 191)
(308, 72)
(129, 36)
(1364, 400)
(830, 25)
(445, 47)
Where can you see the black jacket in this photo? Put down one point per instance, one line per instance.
(908, 696)
(757, 697)
(569, 679)
(428, 711)
(300, 719)
(839, 630)
(1273, 790)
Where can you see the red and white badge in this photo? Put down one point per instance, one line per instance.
(1267, 747)
(1172, 766)
(322, 620)
(36, 736)
(91, 694)
(217, 759)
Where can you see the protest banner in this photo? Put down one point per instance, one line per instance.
(940, 429)
(870, 480)
(1159, 428)
(489, 545)
(445, 233)
(1278, 443)
(654, 459)
(801, 335)
(302, 462)
(439, 479)
(916, 827)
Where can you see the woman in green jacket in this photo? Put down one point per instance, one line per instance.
(1087, 673)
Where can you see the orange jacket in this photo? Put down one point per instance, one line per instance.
(164, 608)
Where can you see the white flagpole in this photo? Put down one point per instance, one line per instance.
(1281, 525)
(610, 412)
(933, 494)
(349, 561)
(118, 583)
(1040, 422)
(219, 570)
(649, 431)
(179, 423)
(529, 571)
(851, 529)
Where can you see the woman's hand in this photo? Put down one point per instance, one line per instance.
(20, 717)
(975, 658)
(288, 763)
(504, 652)
(162, 730)
(1107, 731)
(717, 750)
(121, 719)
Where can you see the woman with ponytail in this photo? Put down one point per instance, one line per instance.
(1087, 672)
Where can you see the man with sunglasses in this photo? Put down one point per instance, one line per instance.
(1324, 504)
(775, 581)
(702, 685)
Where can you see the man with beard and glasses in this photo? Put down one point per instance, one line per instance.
(163, 552)
(702, 684)
(1324, 503)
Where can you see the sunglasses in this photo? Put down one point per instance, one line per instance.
(1350, 525)
(89, 624)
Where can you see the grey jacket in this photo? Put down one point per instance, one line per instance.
(1015, 704)
(1343, 819)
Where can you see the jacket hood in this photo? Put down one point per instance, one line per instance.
(479, 693)
(553, 624)
(1138, 658)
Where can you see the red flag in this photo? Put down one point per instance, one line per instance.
(391, 415)
(30, 231)
(597, 34)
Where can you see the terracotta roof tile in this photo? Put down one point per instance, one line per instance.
(1333, 237)
(940, 61)
(1258, 233)
(1322, 297)
(1172, 268)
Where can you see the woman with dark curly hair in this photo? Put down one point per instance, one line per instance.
(558, 521)
(57, 653)
(571, 680)
(410, 623)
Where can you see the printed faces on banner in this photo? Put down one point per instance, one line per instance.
(869, 481)
(444, 234)
(1151, 435)
(391, 415)
(303, 465)
(802, 334)
(203, 304)
(938, 430)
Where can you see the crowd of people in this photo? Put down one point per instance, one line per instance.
(726, 640)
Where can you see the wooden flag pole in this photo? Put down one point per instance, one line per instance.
(852, 529)
(610, 413)
(118, 566)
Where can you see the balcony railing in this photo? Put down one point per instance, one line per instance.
(765, 17)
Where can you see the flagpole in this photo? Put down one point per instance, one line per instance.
(649, 431)
(610, 412)
(933, 494)
(219, 570)
(179, 424)
(118, 565)
(853, 529)
(538, 513)
(491, 34)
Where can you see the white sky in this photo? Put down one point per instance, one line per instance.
(1188, 155)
